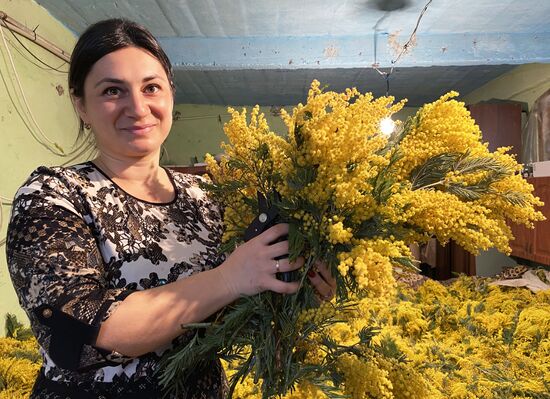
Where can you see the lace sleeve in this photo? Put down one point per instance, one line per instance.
(58, 274)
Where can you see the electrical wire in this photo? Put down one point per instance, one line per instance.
(36, 57)
(53, 150)
(164, 152)
(413, 34)
(188, 118)
(20, 112)
(22, 30)
(87, 147)
(3, 241)
(52, 146)
(404, 48)
(26, 57)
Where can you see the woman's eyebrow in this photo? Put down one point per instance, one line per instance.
(109, 80)
(120, 81)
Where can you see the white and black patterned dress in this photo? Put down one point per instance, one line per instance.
(77, 246)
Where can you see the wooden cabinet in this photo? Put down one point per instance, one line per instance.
(534, 244)
(451, 260)
(500, 124)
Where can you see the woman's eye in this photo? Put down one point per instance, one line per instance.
(112, 91)
(152, 89)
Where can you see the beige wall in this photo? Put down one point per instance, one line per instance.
(46, 93)
(524, 83)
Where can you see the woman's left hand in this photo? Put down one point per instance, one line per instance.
(322, 280)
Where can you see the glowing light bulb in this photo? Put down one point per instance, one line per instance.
(387, 126)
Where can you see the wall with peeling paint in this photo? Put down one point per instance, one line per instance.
(47, 95)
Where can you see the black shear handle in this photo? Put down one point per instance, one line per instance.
(268, 217)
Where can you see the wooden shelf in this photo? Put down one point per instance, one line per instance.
(500, 124)
(194, 170)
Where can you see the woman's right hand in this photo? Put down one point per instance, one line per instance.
(252, 267)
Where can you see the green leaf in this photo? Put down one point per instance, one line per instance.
(296, 241)
(432, 174)
(304, 176)
(433, 170)
(367, 334)
(389, 348)
(298, 136)
(406, 262)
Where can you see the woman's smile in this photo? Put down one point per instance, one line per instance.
(142, 129)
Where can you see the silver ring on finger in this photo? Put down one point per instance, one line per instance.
(277, 266)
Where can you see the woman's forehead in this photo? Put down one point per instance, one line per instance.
(128, 63)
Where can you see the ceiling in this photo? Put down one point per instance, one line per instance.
(267, 52)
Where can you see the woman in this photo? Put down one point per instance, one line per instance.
(110, 258)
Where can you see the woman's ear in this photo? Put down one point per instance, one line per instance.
(80, 108)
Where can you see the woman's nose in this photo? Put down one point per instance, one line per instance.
(137, 105)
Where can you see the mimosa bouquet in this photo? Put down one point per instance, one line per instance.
(356, 199)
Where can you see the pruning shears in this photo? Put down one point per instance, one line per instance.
(268, 216)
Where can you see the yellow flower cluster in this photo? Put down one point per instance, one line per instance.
(334, 161)
(253, 158)
(468, 340)
(525, 212)
(371, 263)
(440, 127)
(338, 135)
(407, 381)
(337, 233)
(315, 315)
(470, 224)
(364, 379)
(19, 365)
(247, 389)
(445, 127)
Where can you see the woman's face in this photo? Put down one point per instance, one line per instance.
(128, 102)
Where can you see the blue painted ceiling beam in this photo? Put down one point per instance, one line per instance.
(268, 51)
(356, 51)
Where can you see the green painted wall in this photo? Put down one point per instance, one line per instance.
(47, 96)
(198, 129)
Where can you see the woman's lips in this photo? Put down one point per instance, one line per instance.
(139, 129)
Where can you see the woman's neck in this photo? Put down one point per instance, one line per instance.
(138, 171)
(143, 178)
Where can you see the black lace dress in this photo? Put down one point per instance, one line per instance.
(77, 246)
